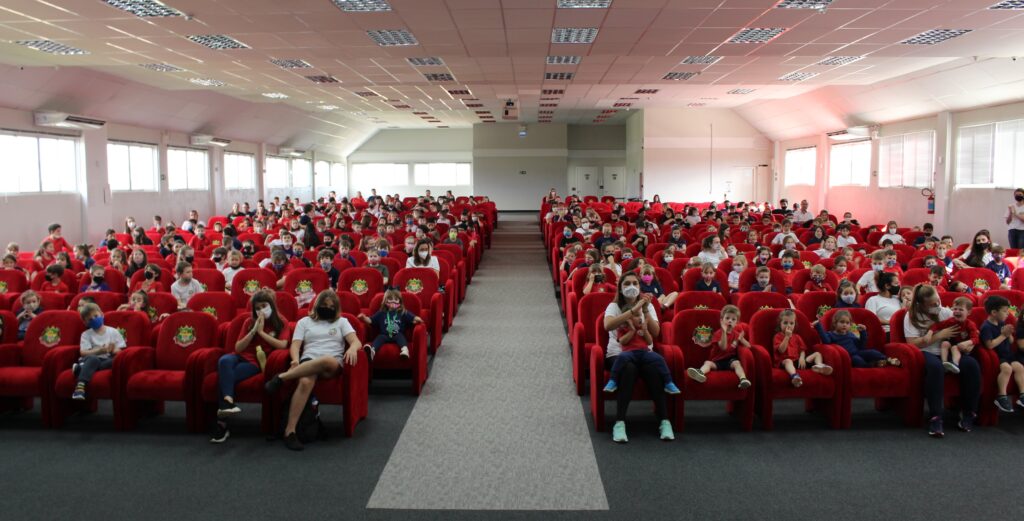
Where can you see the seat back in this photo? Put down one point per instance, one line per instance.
(182, 334)
(306, 283)
(814, 304)
(235, 330)
(12, 281)
(9, 333)
(410, 301)
(393, 265)
(286, 306)
(860, 316)
(166, 279)
(350, 303)
(589, 308)
(163, 302)
(364, 283)
(699, 300)
(669, 284)
(764, 323)
(422, 282)
(749, 277)
(1015, 296)
(211, 279)
(752, 302)
(692, 326)
(693, 275)
(980, 280)
(915, 276)
(134, 326)
(48, 330)
(218, 304)
(247, 282)
(896, 323)
(106, 300)
(801, 277)
(48, 300)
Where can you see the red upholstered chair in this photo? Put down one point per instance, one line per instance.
(137, 278)
(752, 302)
(574, 290)
(947, 297)
(305, 284)
(699, 300)
(693, 275)
(980, 280)
(68, 278)
(801, 277)
(599, 377)
(249, 390)
(422, 282)
(22, 377)
(749, 277)
(211, 279)
(814, 304)
(106, 300)
(456, 272)
(349, 389)
(461, 256)
(700, 324)
(148, 376)
(364, 283)
(584, 333)
(388, 356)
(350, 303)
(899, 386)
(48, 301)
(1015, 296)
(247, 282)
(134, 326)
(915, 276)
(287, 306)
(9, 332)
(820, 392)
(219, 304)
(393, 264)
(12, 281)
(446, 276)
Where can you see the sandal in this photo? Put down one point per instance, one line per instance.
(796, 380)
(895, 362)
(744, 383)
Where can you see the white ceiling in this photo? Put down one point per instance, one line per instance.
(496, 50)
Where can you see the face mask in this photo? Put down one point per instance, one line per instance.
(454, 235)
(817, 278)
(849, 299)
(737, 268)
(1018, 198)
(217, 258)
(997, 258)
(892, 231)
(764, 282)
(97, 279)
(631, 292)
(278, 265)
(840, 269)
(627, 256)
(266, 312)
(669, 259)
(189, 259)
(790, 246)
(324, 312)
(890, 263)
(894, 289)
(647, 279)
(393, 305)
(787, 265)
(95, 322)
(149, 275)
(326, 265)
(878, 267)
(567, 233)
(423, 254)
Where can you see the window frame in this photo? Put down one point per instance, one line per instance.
(851, 181)
(251, 174)
(786, 167)
(39, 163)
(883, 162)
(188, 176)
(153, 147)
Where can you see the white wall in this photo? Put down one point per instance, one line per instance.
(690, 154)
(634, 153)
(411, 146)
(597, 146)
(516, 172)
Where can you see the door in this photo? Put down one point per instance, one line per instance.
(584, 181)
(615, 181)
(762, 184)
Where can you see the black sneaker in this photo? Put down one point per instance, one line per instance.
(966, 423)
(220, 433)
(292, 442)
(273, 385)
(1003, 403)
(935, 427)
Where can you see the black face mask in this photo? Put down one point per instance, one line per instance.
(1019, 198)
(189, 259)
(149, 275)
(325, 312)
(97, 280)
(247, 250)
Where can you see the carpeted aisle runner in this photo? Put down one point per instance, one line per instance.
(498, 426)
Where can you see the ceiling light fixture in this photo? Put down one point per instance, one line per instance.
(439, 76)
(392, 37)
(559, 75)
(52, 47)
(207, 82)
(292, 64)
(573, 34)
(563, 60)
(362, 6)
(161, 67)
(1009, 4)
(646, 91)
(677, 76)
(144, 8)
(700, 60)
(839, 60)
(798, 76)
(935, 36)
(757, 34)
(803, 4)
(584, 4)
(741, 91)
(322, 79)
(275, 95)
(327, 107)
(426, 60)
(552, 92)
(217, 42)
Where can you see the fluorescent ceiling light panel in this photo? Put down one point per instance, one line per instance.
(677, 76)
(803, 4)
(207, 82)
(392, 37)
(646, 91)
(439, 76)
(563, 60)
(757, 34)
(798, 76)
(362, 6)
(426, 60)
(322, 79)
(217, 41)
(584, 4)
(559, 75)
(161, 67)
(52, 47)
(700, 60)
(839, 60)
(275, 95)
(144, 8)
(573, 34)
(741, 91)
(292, 64)
(935, 36)
(1009, 4)
(552, 92)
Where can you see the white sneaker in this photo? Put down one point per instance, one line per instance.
(372, 351)
(404, 353)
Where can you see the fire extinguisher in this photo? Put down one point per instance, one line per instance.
(930, 194)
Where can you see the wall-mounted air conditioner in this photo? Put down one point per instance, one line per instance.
(204, 140)
(851, 134)
(291, 152)
(49, 118)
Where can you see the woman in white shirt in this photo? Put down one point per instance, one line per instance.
(887, 301)
(926, 310)
(628, 306)
(712, 251)
(321, 338)
(828, 248)
(422, 257)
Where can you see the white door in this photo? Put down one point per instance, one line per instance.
(615, 181)
(584, 181)
(762, 184)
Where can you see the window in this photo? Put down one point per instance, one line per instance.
(441, 174)
(850, 164)
(905, 160)
(380, 174)
(302, 173)
(974, 156)
(187, 169)
(801, 165)
(132, 167)
(330, 176)
(239, 171)
(322, 174)
(277, 172)
(38, 164)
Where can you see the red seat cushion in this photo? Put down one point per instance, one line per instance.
(20, 381)
(389, 357)
(157, 384)
(101, 385)
(721, 385)
(815, 385)
(879, 382)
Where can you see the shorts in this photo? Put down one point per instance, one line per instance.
(782, 363)
(1011, 358)
(725, 363)
(339, 357)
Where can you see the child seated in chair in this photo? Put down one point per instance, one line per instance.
(649, 284)
(763, 281)
(961, 342)
(724, 345)
(790, 352)
(96, 282)
(98, 346)
(391, 321)
(853, 338)
(708, 279)
(818, 281)
(738, 265)
(53, 280)
(30, 309)
(636, 341)
(790, 259)
(998, 336)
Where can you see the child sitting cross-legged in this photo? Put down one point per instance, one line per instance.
(790, 352)
(724, 347)
(961, 342)
(853, 338)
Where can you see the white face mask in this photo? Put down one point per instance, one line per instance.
(631, 291)
(423, 254)
(878, 267)
(892, 231)
(266, 312)
(849, 298)
(669, 259)
(737, 268)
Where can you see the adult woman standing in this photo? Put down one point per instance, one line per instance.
(629, 305)
(1015, 219)
(321, 338)
(926, 310)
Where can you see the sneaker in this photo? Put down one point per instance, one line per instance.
(1003, 403)
(292, 442)
(228, 409)
(744, 383)
(1020, 401)
(671, 388)
(371, 351)
(79, 393)
(966, 423)
(696, 374)
(665, 431)
(611, 386)
(273, 385)
(822, 369)
(220, 433)
(935, 427)
(404, 353)
(796, 380)
(76, 368)
(951, 367)
(619, 432)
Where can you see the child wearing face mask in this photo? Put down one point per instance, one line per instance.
(219, 258)
(390, 322)
(764, 255)
(97, 347)
(891, 234)
(596, 282)
(789, 261)
(817, 281)
(667, 256)
(96, 281)
(841, 268)
(738, 265)
(676, 238)
(325, 260)
(1000, 268)
(344, 251)
(763, 280)
(846, 296)
(231, 267)
(962, 341)
(53, 280)
(867, 283)
(30, 309)
(845, 238)
(650, 285)
(892, 264)
(452, 237)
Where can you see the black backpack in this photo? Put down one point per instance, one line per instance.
(309, 428)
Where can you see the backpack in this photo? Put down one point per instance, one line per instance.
(309, 428)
